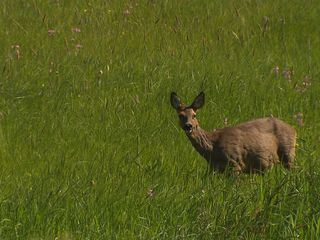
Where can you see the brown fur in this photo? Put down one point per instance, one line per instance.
(253, 146)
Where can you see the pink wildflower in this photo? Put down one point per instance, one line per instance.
(75, 30)
(51, 32)
(78, 46)
(126, 12)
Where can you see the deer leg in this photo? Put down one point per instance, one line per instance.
(233, 168)
(287, 156)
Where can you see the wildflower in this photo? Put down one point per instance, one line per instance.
(287, 74)
(79, 46)
(225, 122)
(51, 67)
(299, 119)
(306, 82)
(126, 13)
(93, 183)
(75, 30)
(276, 70)
(51, 32)
(150, 193)
(17, 50)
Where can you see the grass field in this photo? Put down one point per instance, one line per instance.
(90, 147)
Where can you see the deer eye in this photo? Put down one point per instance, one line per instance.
(193, 116)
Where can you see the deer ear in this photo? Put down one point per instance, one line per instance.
(175, 101)
(198, 102)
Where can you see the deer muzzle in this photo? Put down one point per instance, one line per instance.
(187, 128)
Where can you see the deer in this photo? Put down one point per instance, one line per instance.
(249, 147)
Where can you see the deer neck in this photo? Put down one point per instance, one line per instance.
(201, 140)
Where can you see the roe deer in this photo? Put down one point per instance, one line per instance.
(253, 146)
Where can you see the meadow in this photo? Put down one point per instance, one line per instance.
(90, 147)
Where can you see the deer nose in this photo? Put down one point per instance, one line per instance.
(187, 127)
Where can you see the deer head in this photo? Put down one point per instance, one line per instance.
(187, 114)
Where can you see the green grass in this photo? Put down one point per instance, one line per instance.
(86, 134)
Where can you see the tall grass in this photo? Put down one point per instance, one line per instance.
(89, 145)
